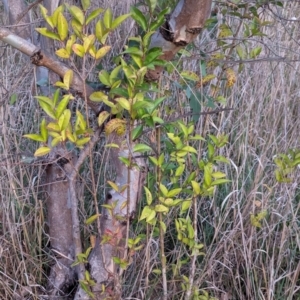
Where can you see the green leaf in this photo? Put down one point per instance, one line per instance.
(116, 22)
(107, 18)
(62, 26)
(220, 181)
(190, 75)
(102, 51)
(85, 4)
(137, 132)
(148, 196)
(48, 33)
(161, 208)
(78, 50)
(62, 106)
(196, 187)
(92, 219)
(82, 142)
(44, 13)
(174, 192)
(13, 99)
(98, 97)
(54, 17)
(163, 189)
(104, 77)
(77, 13)
(152, 4)
(147, 39)
(124, 103)
(80, 121)
(64, 119)
(152, 54)
(46, 100)
(44, 131)
(141, 148)
(185, 205)
(88, 42)
(189, 149)
(145, 213)
(103, 116)
(47, 109)
(77, 27)
(42, 151)
(255, 52)
(113, 185)
(63, 53)
(35, 137)
(218, 175)
(94, 14)
(139, 17)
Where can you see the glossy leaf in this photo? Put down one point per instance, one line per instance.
(85, 4)
(139, 17)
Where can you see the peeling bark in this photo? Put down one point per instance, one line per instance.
(62, 276)
(180, 29)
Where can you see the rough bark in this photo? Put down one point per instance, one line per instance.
(59, 218)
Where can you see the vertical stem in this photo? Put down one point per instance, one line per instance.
(161, 231)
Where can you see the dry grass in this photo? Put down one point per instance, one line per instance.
(241, 261)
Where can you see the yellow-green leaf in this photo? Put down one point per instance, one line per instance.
(107, 18)
(124, 103)
(62, 106)
(196, 187)
(103, 116)
(77, 13)
(68, 77)
(92, 219)
(34, 137)
(62, 26)
(42, 151)
(163, 189)
(44, 131)
(82, 142)
(161, 208)
(102, 52)
(116, 22)
(63, 53)
(148, 196)
(88, 42)
(48, 33)
(54, 17)
(94, 14)
(113, 185)
(78, 50)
